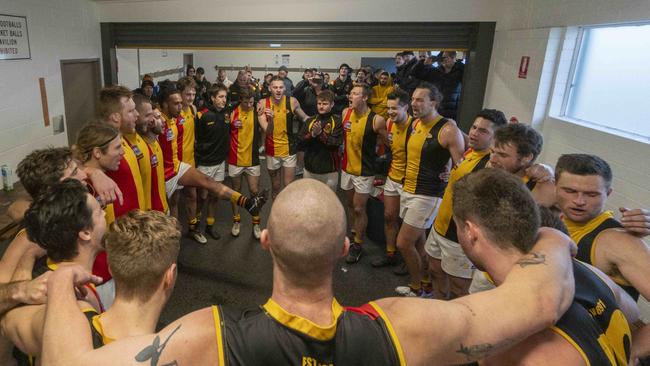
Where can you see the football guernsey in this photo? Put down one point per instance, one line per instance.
(359, 153)
(426, 159)
(398, 134)
(280, 141)
(185, 125)
(244, 138)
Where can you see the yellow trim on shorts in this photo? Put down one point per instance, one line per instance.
(391, 332)
(573, 343)
(219, 336)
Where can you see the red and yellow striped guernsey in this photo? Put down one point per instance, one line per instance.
(398, 134)
(158, 195)
(244, 137)
(186, 136)
(359, 154)
(141, 151)
(169, 144)
(127, 177)
(277, 134)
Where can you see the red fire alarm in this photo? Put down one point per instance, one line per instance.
(523, 66)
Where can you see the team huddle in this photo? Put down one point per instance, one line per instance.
(509, 262)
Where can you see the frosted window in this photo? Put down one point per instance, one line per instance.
(611, 86)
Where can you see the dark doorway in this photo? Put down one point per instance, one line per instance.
(81, 84)
(188, 59)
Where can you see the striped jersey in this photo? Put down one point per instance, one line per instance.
(128, 179)
(168, 140)
(141, 152)
(158, 193)
(185, 125)
(279, 134)
(426, 159)
(244, 138)
(472, 161)
(359, 153)
(398, 134)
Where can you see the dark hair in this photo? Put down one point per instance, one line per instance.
(167, 89)
(525, 138)
(493, 115)
(146, 82)
(345, 65)
(54, 220)
(139, 100)
(42, 168)
(94, 135)
(500, 204)
(214, 90)
(451, 54)
(283, 68)
(246, 93)
(276, 78)
(434, 94)
(326, 95)
(189, 67)
(400, 96)
(200, 70)
(584, 164)
(550, 217)
(405, 53)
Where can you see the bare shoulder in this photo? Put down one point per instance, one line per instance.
(544, 348)
(621, 240)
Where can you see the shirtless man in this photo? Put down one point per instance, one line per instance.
(302, 313)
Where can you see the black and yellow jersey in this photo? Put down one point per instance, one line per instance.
(585, 236)
(398, 134)
(426, 159)
(270, 335)
(359, 154)
(322, 153)
(594, 325)
(472, 161)
(97, 330)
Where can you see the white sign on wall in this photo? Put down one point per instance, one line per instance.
(14, 39)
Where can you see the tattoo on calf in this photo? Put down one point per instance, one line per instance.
(153, 351)
(532, 258)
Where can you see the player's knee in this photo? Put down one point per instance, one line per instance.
(390, 217)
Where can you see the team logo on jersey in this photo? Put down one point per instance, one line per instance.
(170, 135)
(347, 125)
(327, 128)
(181, 121)
(238, 123)
(154, 160)
(390, 138)
(137, 152)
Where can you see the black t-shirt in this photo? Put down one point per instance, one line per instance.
(212, 136)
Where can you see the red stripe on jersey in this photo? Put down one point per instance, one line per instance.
(100, 267)
(365, 309)
(124, 179)
(234, 138)
(156, 202)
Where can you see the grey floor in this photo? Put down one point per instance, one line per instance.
(238, 271)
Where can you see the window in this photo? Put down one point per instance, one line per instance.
(611, 81)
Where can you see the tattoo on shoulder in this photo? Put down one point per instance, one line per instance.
(475, 352)
(153, 351)
(532, 258)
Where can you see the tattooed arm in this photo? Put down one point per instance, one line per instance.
(533, 296)
(191, 340)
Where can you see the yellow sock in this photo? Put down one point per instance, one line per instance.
(415, 288)
(256, 220)
(236, 218)
(235, 198)
(193, 222)
(357, 239)
(210, 221)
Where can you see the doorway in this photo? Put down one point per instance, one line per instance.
(188, 59)
(81, 85)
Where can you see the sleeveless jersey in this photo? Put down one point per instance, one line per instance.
(359, 153)
(530, 184)
(244, 138)
(585, 236)
(168, 140)
(398, 134)
(279, 134)
(128, 178)
(472, 161)
(157, 189)
(426, 159)
(186, 136)
(594, 325)
(271, 336)
(141, 152)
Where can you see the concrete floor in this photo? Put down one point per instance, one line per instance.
(238, 271)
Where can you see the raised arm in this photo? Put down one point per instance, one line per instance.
(533, 296)
(263, 113)
(105, 187)
(190, 340)
(636, 221)
(452, 139)
(620, 254)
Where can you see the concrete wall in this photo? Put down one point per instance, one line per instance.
(58, 30)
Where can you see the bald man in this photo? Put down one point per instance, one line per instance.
(303, 324)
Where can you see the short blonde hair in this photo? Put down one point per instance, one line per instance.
(141, 246)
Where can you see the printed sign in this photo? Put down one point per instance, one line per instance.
(523, 67)
(14, 39)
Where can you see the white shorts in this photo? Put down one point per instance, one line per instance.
(331, 179)
(172, 184)
(235, 171)
(275, 162)
(361, 185)
(392, 188)
(418, 210)
(480, 283)
(453, 260)
(216, 172)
